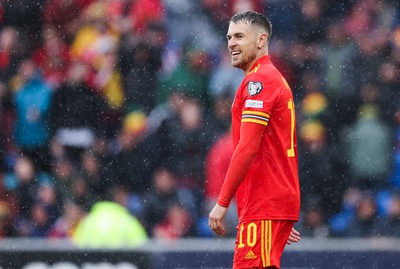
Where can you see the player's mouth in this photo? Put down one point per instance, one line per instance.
(235, 55)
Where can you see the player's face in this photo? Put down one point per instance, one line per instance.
(242, 45)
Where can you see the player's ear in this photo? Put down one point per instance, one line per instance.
(262, 40)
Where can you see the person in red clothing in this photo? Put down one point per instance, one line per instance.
(263, 172)
(216, 165)
(53, 57)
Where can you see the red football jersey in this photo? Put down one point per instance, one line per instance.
(271, 188)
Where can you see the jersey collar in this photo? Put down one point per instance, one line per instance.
(262, 60)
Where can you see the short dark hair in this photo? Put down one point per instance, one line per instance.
(253, 17)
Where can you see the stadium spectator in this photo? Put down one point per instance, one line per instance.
(218, 119)
(185, 22)
(317, 169)
(161, 200)
(190, 76)
(136, 153)
(388, 83)
(76, 113)
(176, 225)
(6, 121)
(388, 224)
(64, 173)
(311, 27)
(339, 223)
(91, 172)
(7, 228)
(11, 52)
(26, 18)
(165, 111)
(33, 218)
(139, 62)
(335, 60)
(62, 15)
(312, 223)
(32, 100)
(130, 200)
(8, 210)
(395, 173)
(363, 222)
(187, 140)
(52, 57)
(369, 146)
(216, 165)
(118, 227)
(23, 182)
(83, 195)
(65, 225)
(108, 80)
(48, 197)
(38, 224)
(143, 13)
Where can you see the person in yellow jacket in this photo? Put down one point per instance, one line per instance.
(109, 225)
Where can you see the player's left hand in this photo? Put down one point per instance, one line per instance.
(215, 218)
(294, 237)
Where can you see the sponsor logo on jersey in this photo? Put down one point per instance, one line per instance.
(254, 87)
(254, 104)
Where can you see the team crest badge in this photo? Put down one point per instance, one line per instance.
(254, 87)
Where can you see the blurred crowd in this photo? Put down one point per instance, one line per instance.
(128, 101)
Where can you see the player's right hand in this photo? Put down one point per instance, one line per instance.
(215, 218)
(294, 237)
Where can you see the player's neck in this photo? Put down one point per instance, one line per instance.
(250, 66)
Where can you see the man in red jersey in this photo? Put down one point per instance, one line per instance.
(263, 172)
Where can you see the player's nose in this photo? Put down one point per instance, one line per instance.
(231, 43)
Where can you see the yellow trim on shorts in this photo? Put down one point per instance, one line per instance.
(262, 243)
(266, 231)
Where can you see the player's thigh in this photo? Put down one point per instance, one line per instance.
(260, 243)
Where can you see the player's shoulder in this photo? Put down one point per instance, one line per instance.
(259, 81)
(256, 76)
(266, 72)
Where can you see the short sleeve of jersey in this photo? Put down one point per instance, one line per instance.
(259, 95)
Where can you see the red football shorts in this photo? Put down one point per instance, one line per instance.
(260, 243)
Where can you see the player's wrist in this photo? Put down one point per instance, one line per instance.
(223, 203)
